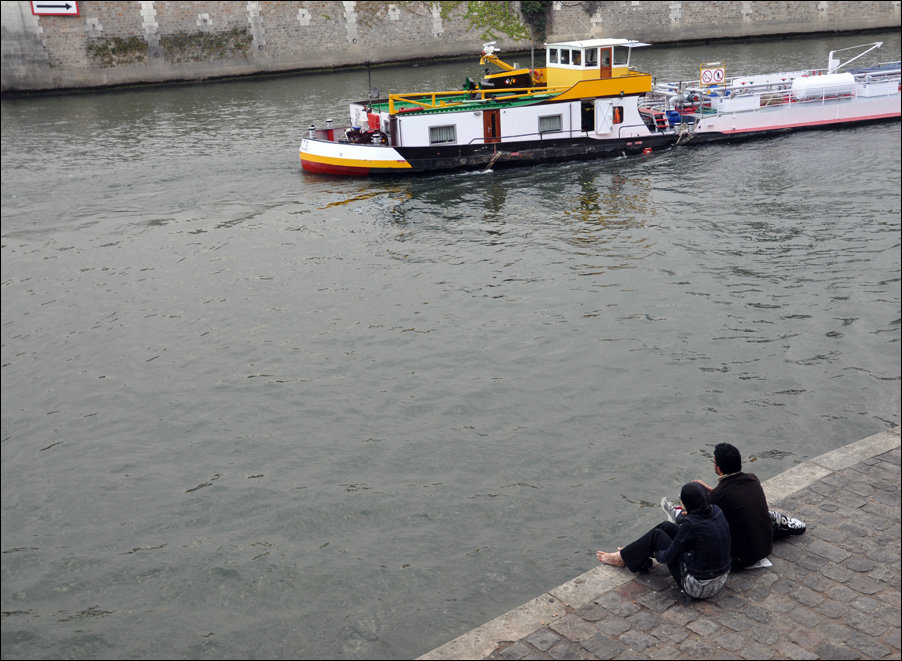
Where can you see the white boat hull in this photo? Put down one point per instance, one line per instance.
(799, 115)
(346, 158)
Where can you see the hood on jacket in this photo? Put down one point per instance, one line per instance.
(695, 499)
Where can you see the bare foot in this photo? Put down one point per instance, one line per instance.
(612, 559)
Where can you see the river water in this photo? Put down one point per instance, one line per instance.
(250, 412)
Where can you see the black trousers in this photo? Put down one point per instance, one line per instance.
(637, 555)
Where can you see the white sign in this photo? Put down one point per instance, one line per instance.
(712, 74)
(54, 8)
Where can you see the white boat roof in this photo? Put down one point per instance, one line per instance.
(594, 43)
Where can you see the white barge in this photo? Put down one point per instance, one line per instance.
(588, 102)
(716, 107)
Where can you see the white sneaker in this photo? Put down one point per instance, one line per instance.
(786, 525)
(672, 511)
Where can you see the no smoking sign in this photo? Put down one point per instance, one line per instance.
(712, 74)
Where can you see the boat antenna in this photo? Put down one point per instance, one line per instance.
(374, 91)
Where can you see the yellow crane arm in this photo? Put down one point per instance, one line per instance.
(494, 59)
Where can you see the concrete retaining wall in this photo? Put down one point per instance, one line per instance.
(124, 43)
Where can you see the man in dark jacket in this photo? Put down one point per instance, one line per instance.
(753, 526)
(744, 504)
(697, 551)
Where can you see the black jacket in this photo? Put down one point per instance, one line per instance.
(703, 543)
(742, 500)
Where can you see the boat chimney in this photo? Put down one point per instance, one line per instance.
(328, 123)
(311, 132)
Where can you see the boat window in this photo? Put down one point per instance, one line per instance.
(577, 57)
(618, 115)
(620, 55)
(592, 57)
(550, 124)
(605, 57)
(552, 56)
(442, 134)
(565, 56)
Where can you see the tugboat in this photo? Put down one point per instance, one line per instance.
(583, 104)
(588, 102)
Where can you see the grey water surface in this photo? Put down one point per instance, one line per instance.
(253, 413)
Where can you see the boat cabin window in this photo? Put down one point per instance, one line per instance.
(575, 57)
(442, 135)
(550, 124)
(589, 57)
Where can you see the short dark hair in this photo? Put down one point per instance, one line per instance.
(728, 458)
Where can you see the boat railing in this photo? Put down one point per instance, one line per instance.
(324, 134)
(349, 134)
(434, 100)
(890, 66)
(885, 71)
(779, 97)
(353, 134)
(775, 82)
(563, 134)
(740, 94)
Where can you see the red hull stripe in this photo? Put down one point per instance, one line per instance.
(332, 168)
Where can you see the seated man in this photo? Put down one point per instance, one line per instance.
(697, 552)
(753, 526)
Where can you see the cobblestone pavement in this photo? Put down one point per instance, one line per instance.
(832, 593)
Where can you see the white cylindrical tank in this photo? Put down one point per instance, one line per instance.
(813, 87)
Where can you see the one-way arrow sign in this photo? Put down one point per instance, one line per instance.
(54, 8)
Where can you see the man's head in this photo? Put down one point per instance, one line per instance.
(727, 458)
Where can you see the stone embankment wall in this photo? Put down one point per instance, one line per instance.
(125, 43)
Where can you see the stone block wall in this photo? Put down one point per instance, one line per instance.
(120, 43)
(685, 21)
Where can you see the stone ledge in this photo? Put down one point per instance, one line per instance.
(808, 472)
(513, 625)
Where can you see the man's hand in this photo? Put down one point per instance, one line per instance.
(704, 485)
